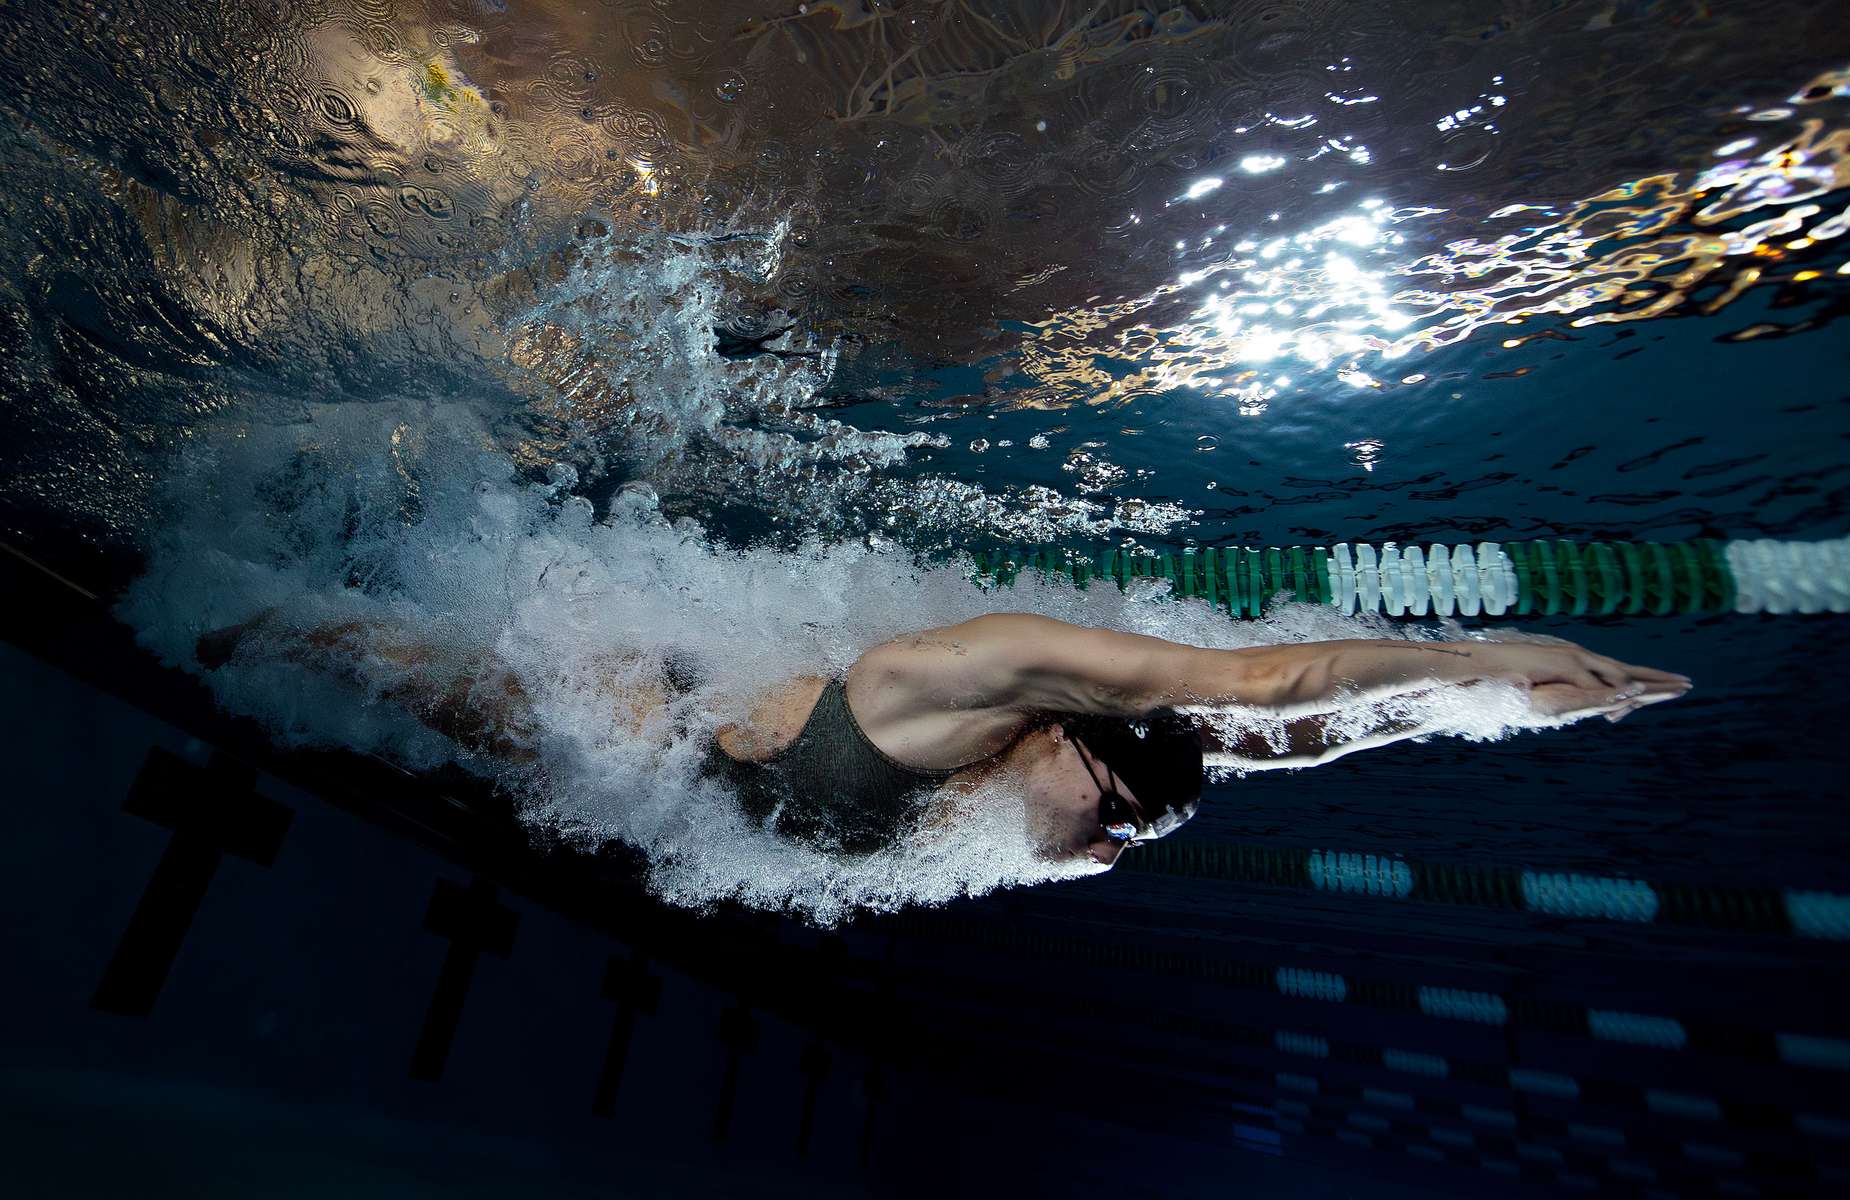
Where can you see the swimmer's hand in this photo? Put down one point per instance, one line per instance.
(1565, 680)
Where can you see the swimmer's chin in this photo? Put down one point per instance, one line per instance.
(1063, 861)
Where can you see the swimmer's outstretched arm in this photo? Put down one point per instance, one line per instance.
(1313, 741)
(1306, 742)
(1092, 670)
(1028, 661)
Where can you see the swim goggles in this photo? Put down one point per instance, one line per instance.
(1116, 814)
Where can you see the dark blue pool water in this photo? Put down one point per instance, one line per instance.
(287, 288)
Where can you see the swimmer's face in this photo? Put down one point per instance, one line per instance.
(1063, 799)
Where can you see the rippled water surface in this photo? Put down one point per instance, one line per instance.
(1055, 268)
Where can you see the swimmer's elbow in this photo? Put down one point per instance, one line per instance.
(1053, 666)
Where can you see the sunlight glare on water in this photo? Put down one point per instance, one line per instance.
(1271, 303)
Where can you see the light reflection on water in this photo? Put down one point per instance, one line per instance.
(678, 237)
(1342, 299)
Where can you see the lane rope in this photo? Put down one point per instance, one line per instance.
(1555, 577)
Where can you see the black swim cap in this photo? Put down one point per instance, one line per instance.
(1158, 757)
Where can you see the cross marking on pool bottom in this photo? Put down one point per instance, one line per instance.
(628, 982)
(739, 1032)
(213, 811)
(473, 922)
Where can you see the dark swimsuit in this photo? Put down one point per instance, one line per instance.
(831, 787)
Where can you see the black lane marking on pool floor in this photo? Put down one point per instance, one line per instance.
(815, 1068)
(739, 1032)
(84, 644)
(873, 1088)
(473, 922)
(213, 811)
(637, 993)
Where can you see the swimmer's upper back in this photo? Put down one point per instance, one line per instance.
(831, 786)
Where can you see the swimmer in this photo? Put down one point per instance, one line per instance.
(1093, 726)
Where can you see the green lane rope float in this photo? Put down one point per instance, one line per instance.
(1493, 579)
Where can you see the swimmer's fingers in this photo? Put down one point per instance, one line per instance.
(1636, 686)
(1563, 699)
(1619, 714)
(1650, 675)
(1616, 674)
(1643, 701)
(1609, 672)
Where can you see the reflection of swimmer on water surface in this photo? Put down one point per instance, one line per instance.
(1091, 726)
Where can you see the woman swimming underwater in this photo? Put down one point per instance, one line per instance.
(1103, 734)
